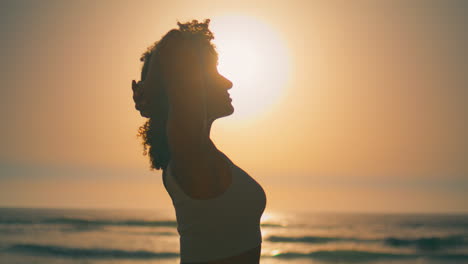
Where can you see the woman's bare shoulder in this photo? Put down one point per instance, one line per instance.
(203, 178)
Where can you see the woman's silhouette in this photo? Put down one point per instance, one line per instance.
(218, 205)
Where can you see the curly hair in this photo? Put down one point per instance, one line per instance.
(155, 105)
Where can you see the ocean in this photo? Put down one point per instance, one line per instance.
(71, 236)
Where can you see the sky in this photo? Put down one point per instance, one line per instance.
(371, 117)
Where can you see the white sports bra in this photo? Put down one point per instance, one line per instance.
(224, 226)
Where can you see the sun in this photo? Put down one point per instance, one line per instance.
(253, 56)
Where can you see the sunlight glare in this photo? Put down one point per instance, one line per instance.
(255, 59)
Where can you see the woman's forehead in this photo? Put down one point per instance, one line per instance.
(212, 56)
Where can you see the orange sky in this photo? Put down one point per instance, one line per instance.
(373, 118)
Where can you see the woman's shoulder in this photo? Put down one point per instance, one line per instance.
(203, 181)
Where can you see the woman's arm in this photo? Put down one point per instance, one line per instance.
(187, 127)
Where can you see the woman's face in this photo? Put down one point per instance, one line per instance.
(217, 86)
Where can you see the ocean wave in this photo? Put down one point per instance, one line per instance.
(272, 225)
(149, 233)
(309, 239)
(101, 253)
(90, 222)
(428, 243)
(422, 243)
(462, 223)
(331, 256)
(364, 256)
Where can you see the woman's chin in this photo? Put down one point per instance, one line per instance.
(222, 110)
(229, 111)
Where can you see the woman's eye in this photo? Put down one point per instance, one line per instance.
(213, 71)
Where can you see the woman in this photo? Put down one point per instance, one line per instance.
(218, 205)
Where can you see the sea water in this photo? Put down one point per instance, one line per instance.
(69, 236)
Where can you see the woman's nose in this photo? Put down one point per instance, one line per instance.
(228, 83)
